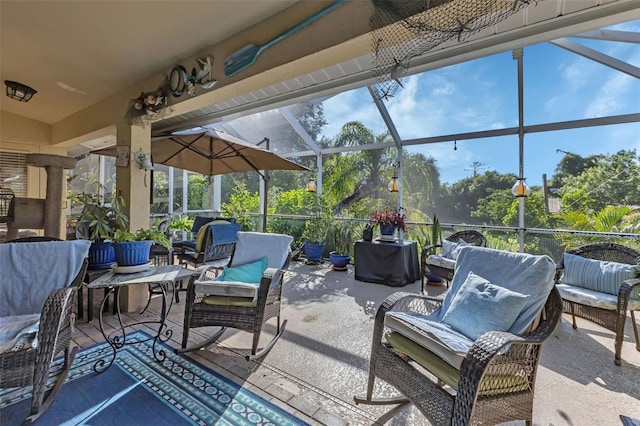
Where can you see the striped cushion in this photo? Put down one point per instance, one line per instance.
(599, 275)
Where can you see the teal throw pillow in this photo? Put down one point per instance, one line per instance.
(598, 275)
(480, 306)
(247, 273)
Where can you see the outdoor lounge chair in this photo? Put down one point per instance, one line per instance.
(38, 284)
(245, 295)
(443, 265)
(484, 361)
(214, 244)
(600, 283)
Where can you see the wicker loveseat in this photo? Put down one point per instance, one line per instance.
(486, 379)
(443, 265)
(601, 290)
(38, 284)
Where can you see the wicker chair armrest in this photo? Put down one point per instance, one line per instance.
(271, 283)
(428, 250)
(506, 347)
(626, 288)
(402, 301)
(202, 271)
(558, 273)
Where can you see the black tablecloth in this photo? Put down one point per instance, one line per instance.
(390, 263)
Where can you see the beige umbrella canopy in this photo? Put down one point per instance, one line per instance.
(213, 153)
(216, 153)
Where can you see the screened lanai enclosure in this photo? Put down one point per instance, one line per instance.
(536, 146)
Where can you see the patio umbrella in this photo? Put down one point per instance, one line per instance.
(214, 153)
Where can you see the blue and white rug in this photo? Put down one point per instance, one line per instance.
(137, 390)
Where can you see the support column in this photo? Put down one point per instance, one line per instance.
(133, 183)
(55, 166)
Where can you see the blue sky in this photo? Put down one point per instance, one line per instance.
(482, 95)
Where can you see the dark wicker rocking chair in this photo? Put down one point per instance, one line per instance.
(240, 312)
(31, 366)
(469, 236)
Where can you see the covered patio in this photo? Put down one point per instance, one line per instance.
(317, 366)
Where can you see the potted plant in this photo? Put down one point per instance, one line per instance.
(98, 221)
(132, 249)
(343, 242)
(389, 221)
(316, 228)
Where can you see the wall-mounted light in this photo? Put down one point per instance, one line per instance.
(311, 185)
(18, 91)
(394, 183)
(520, 188)
(144, 160)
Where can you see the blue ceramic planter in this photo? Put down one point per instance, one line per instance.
(132, 253)
(339, 261)
(387, 229)
(101, 256)
(313, 251)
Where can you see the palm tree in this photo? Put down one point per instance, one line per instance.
(358, 173)
(609, 219)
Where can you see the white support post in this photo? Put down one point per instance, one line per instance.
(319, 180)
(217, 196)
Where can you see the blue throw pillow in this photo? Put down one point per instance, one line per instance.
(598, 275)
(480, 306)
(247, 273)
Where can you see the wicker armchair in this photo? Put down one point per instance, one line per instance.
(495, 380)
(445, 271)
(30, 366)
(611, 315)
(205, 308)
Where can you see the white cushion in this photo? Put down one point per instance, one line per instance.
(441, 261)
(19, 332)
(596, 299)
(254, 245)
(226, 288)
(437, 337)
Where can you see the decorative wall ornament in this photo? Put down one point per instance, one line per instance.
(180, 81)
(149, 105)
(404, 29)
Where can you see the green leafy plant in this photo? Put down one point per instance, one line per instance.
(101, 215)
(180, 223)
(317, 227)
(158, 237)
(342, 238)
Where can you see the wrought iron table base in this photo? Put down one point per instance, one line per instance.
(117, 339)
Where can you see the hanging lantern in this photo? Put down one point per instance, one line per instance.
(394, 183)
(311, 185)
(520, 188)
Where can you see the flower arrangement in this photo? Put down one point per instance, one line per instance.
(386, 218)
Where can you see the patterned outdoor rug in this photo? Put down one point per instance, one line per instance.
(137, 390)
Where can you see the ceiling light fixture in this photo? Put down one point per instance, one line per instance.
(18, 91)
